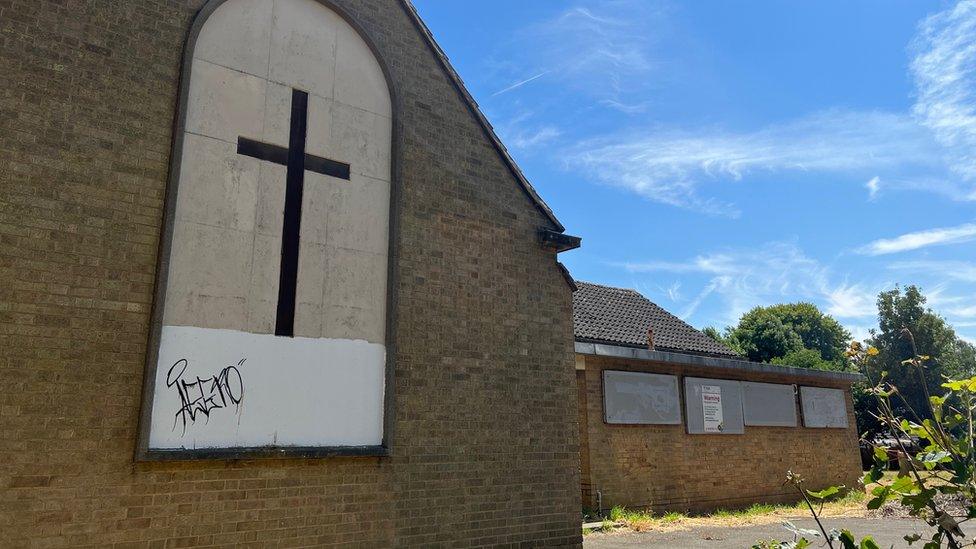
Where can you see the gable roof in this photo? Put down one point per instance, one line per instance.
(476, 111)
(617, 316)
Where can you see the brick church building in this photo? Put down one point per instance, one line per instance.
(268, 278)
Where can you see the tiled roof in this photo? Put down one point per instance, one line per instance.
(617, 316)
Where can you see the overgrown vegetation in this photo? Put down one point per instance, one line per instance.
(943, 472)
(643, 521)
(795, 334)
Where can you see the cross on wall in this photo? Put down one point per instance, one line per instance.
(297, 161)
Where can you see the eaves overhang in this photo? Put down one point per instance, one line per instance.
(732, 365)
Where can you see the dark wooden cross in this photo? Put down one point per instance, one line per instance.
(297, 161)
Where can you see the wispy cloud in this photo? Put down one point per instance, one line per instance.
(669, 166)
(601, 49)
(771, 273)
(962, 271)
(932, 147)
(731, 281)
(873, 186)
(944, 68)
(921, 239)
(850, 301)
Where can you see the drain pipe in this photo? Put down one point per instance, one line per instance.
(599, 503)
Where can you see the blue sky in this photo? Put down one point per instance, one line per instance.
(721, 155)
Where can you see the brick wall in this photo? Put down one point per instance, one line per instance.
(663, 467)
(484, 440)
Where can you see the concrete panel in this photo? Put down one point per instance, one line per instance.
(317, 206)
(303, 46)
(359, 215)
(262, 302)
(225, 104)
(209, 260)
(269, 214)
(313, 267)
(342, 322)
(238, 37)
(277, 114)
(219, 187)
(359, 79)
(362, 139)
(356, 278)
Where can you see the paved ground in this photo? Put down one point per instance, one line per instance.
(885, 531)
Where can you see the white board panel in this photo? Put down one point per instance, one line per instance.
(635, 398)
(769, 404)
(713, 406)
(823, 408)
(228, 389)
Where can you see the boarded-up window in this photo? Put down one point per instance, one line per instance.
(636, 398)
(769, 404)
(823, 407)
(713, 406)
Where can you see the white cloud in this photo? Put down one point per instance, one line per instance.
(850, 301)
(921, 239)
(523, 132)
(944, 68)
(969, 311)
(772, 273)
(674, 291)
(670, 166)
(533, 138)
(732, 281)
(602, 50)
(954, 270)
(932, 148)
(873, 186)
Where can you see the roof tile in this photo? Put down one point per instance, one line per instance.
(617, 316)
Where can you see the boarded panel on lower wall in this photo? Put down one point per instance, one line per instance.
(769, 404)
(823, 408)
(636, 398)
(703, 395)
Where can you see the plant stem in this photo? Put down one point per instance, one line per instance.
(815, 516)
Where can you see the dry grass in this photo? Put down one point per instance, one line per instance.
(851, 505)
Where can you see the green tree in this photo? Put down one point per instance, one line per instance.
(903, 311)
(723, 338)
(775, 332)
(808, 358)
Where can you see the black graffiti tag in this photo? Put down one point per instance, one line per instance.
(204, 395)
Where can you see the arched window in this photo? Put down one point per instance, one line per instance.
(271, 319)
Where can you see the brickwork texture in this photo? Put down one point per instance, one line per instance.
(663, 468)
(485, 440)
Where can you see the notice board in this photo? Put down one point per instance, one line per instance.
(713, 406)
(823, 408)
(637, 398)
(769, 404)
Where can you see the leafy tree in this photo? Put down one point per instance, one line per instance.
(723, 338)
(902, 311)
(775, 332)
(809, 358)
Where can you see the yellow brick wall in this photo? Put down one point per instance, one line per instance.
(484, 436)
(664, 468)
